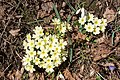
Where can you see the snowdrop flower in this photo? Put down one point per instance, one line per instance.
(82, 12)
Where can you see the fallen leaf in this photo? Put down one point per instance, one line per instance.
(48, 6)
(41, 14)
(68, 75)
(101, 39)
(18, 75)
(31, 76)
(1, 12)
(76, 76)
(109, 14)
(100, 51)
(14, 32)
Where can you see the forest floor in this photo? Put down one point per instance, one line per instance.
(97, 61)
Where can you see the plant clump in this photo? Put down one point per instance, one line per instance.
(45, 51)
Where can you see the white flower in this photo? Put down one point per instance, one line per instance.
(25, 44)
(38, 31)
(90, 17)
(36, 61)
(30, 68)
(28, 37)
(96, 30)
(31, 43)
(55, 21)
(63, 58)
(57, 61)
(82, 12)
(103, 22)
(62, 28)
(82, 20)
(78, 11)
(102, 28)
(62, 43)
(89, 27)
(31, 53)
(43, 53)
(49, 68)
(96, 22)
(57, 49)
(26, 60)
(40, 44)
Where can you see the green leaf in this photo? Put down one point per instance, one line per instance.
(98, 78)
(70, 6)
(69, 18)
(56, 12)
(71, 54)
(113, 36)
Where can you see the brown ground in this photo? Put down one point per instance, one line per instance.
(19, 17)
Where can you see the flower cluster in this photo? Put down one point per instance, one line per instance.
(61, 27)
(93, 24)
(45, 51)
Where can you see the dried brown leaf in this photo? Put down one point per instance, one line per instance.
(68, 75)
(76, 76)
(14, 32)
(100, 51)
(109, 14)
(48, 6)
(31, 76)
(18, 75)
(1, 12)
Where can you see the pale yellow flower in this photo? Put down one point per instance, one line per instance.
(25, 44)
(82, 20)
(49, 68)
(89, 27)
(62, 28)
(62, 43)
(57, 61)
(43, 53)
(55, 21)
(30, 68)
(57, 49)
(36, 61)
(38, 31)
(96, 30)
(28, 37)
(96, 22)
(31, 53)
(40, 44)
(102, 28)
(103, 22)
(31, 43)
(26, 60)
(90, 17)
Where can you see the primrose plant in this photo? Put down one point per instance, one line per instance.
(91, 24)
(45, 51)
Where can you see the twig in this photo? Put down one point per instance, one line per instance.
(9, 19)
(7, 67)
